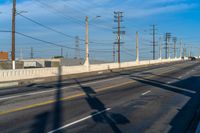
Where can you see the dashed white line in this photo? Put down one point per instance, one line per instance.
(100, 72)
(146, 93)
(78, 121)
(180, 77)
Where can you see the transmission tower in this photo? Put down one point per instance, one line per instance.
(154, 41)
(114, 52)
(174, 40)
(118, 18)
(31, 55)
(77, 48)
(167, 47)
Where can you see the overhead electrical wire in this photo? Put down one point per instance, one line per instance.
(54, 30)
(51, 43)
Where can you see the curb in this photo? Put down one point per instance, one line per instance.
(9, 84)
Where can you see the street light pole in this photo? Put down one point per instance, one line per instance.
(87, 63)
(137, 48)
(87, 43)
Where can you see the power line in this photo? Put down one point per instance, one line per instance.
(72, 18)
(47, 27)
(61, 13)
(51, 43)
(54, 30)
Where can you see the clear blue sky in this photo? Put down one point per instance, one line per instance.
(180, 17)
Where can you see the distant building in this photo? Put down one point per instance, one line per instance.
(3, 56)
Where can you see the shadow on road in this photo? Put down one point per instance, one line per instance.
(186, 118)
(40, 123)
(112, 119)
(41, 120)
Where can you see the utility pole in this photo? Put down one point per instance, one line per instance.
(181, 49)
(21, 53)
(189, 52)
(154, 41)
(167, 47)
(185, 51)
(61, 52)
(31, 56)
(87, 42)
(174, 40)
(137, 48)
(114, 52)
(77, 50)
(119, 18)
(160, 48)
(13, 34)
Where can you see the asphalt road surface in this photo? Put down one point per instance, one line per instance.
(154, 99)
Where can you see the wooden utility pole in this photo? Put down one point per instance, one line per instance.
(13, 33)
(137, 48)
(119, 39)
(118, 18)
(154, 41)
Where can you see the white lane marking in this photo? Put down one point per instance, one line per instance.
(52, 90)
(180, 77)
(174, 87)
(78, 121)
(173, 81)
(100, 72)
(146, 93)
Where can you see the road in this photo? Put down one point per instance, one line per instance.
(155, 99)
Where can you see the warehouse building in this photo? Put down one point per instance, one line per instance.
(3, 56)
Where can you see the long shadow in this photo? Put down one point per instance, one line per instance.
(40, 123)
(42, 120)
(112, 119)
(57, 122)
(161, 76)
(187, 118)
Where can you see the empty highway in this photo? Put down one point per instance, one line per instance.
(153, 99)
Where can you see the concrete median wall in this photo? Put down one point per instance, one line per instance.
(21, 74)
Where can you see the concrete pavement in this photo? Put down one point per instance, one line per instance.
(154, 99)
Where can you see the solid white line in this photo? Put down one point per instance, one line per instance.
(146, 93)
(52, 90)
(78, 121)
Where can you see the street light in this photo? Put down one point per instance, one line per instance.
(87, 40)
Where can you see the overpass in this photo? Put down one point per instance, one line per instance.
(163, 97)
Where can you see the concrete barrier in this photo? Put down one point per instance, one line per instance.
(20, 74)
